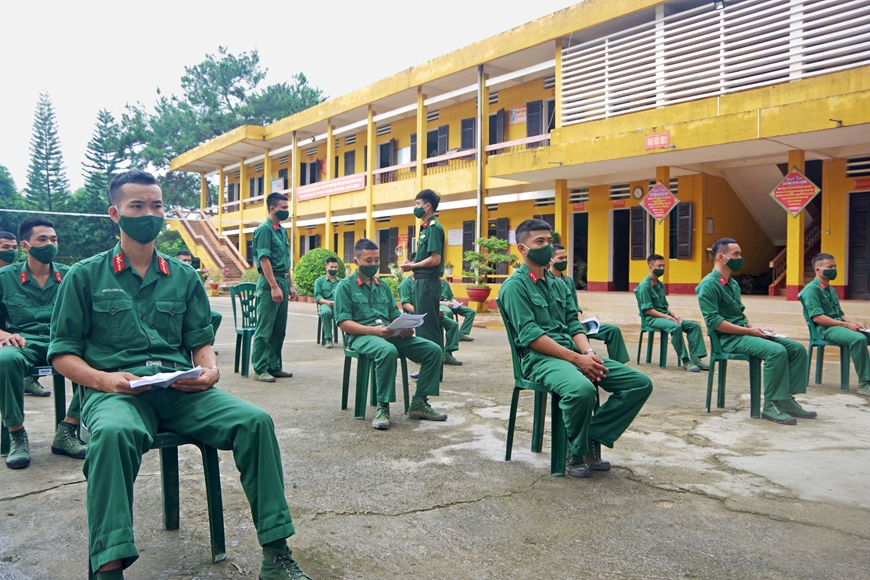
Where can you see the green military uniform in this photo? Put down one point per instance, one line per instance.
(324, 289)
(539, 306)
(610, 334)
(821, 299)
(117, 321)
(465, 312)
(270, 241)
(785, 361)
(216, 318)
(25, 309)
(427, 289)
(450, 326)
(373, 305)
(651, 294)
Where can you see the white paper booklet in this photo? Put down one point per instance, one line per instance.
(455, 304)
(163, 380)
(407, 321)
(775, 335)
(591, 324)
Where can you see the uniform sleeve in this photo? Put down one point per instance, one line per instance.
(812, 301)
(708, 301)
(436, 243)
(572, 291)
(4, 314)
(393, 309)
(516, 303)
(840, 313)
(71, 317)
(446, 292)
(262, 244)
(406, 291)
(643, 293)
(343, 309)
(318, 290)
(196, 328)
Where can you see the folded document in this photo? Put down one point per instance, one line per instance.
(591, 325)
(163, 380)
(407, 321)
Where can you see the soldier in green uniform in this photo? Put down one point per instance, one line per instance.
(610, 334)
(130, 313)
(216, 317)
(822, 307)
(450, 326)
(655, 312)
(554, 350)
(27, 294)
(271, 250)
(451, 311)
(324, 296)
(785, 361)
(8, 253)
(364, 307)
(428, 271)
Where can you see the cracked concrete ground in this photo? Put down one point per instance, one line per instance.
(691, 495)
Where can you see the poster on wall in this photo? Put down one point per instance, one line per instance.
(454, 237)
(794, 192)
(518, 115)
(659, 202)
(512, 236)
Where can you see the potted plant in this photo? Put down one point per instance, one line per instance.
(483, 263)
(448, 269)
(213, 277)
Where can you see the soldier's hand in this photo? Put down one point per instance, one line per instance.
(277, 294)
(853, 326)
(383, 331)
(13, 340)
(591, 366)
(292, 295)
(677, 319)
(119, 383)
(407, 333)
(756, 332)
(405, 266)
(204, 381)
(331, 302)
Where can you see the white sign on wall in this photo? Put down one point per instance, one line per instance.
(454, 237)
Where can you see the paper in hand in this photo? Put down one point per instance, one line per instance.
(591, 324)
(455, 304)
(163, 380)
(407, 321)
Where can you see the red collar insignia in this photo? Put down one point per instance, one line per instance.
(377, 281)
(425, 225)
(533, 276)
(24, 276)
(57, 276)
(722, 280)
(275, 227)
(823, 285)
(162, 265)
(118, 262)
(359, 281)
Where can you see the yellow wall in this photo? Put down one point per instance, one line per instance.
(836, 188)
(514, 97)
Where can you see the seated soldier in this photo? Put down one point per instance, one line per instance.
(785, 361)
(130, 313)
(822, 308)
(364, 307)
(609, 333)
(451, 311)
(554, 350)
(216, 317)
(27, 294)
(451, 328)
(655, 312)
(324, 296)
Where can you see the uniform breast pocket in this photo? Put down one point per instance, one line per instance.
(168, 317)
(20, 311)
(112, 317)
(540, 307)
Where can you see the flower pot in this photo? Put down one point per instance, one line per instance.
(213, 286)
(478, 294)
(448, 271)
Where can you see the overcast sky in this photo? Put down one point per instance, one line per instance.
(91, 55)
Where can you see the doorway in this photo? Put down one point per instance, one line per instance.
(620, 249)
(859, 246)
(580, 249)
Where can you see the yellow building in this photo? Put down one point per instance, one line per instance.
(573, 118)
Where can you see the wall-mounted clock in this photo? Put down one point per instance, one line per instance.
(638, 192)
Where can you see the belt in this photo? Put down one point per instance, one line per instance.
(285, 275)
(147, 363)
(425, 275)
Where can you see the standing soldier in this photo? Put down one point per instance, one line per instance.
(131, 312)
(324, 296)
(271, 250)
(450, 326)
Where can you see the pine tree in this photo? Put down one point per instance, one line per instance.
(104, 156)
(47, 185)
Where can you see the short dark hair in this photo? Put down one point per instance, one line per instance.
(273, 198)
(331, 260)
(557, 247)
(529, 226)
(430, 197)
(25, 228)
(721, 243)
(125, 177)
(363, 244)
(7, 236)
(654, 258)
(821, 258)
(183, 253)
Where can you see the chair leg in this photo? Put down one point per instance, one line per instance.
(60, 399)
(362, 385)
(512, 423)
(169, 480)
(238, 353)
(319, 329)
(211, 469)
(405, 391)
(540, 417)
(4, 441)
(345, 383)
(820, 359)
(373, 392)
(246, 354)
(755, 388)
(639, 348)
(710, 383)
(844, 369)
(649, 346)
(91, 574)
(663, 350)
(558, 449)
(723, 374)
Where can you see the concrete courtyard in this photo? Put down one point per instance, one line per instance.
(691, 494)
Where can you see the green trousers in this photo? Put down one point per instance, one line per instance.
(612, 337)
(271, 327)
(697, 349)
(629, 389)
(15, 364)
(857, 343)
(785, 362)
(467, 315)
(427, 296)
(325, 313)
(385, 351)
(123, 427)
(451, 330)
(216, 318)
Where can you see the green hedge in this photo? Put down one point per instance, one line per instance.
(312, 266)
(250, 275)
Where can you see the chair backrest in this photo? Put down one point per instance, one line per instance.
(715, 345)
(246, 293)
(511, 334)
(814, 336)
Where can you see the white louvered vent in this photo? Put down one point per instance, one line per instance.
(493, 97)
(580, 195)
(350, 140)
(311, 152)
(550, 82)
(258, 167)
(620, 191)
(546, 202)
(384, 129)
(492, 207)
(858, 167)
(238, 174)
(350, 223)
(282, 160)
(433, 115)
(673, 185)
(383, 219)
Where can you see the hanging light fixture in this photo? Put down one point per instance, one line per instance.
(718, 4)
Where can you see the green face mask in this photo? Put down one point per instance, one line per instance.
(734, 264)
(332, 272)
(541, 256)
(419, 212)
(8, 256)
(658, 272)
(44, 254)
(561, 266)
(830, 274)
(144, 229)
(369, 271)
(282, 214)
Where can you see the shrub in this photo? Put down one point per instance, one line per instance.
(250, 275)
(312, 266)
(393, 284)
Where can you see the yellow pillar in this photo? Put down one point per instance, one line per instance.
(370, 162)
(330, 173)
(203, 190)
(561, 224)
(598, 271)
(295, 179)
(221, 185)
(663, 229)
(244, 193)
(422, 126)
(267, 178)
(480, 143)
(558, 88)
(794, 258)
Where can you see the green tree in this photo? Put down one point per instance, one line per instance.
(170, 242)
(104, 156)
(9, 199)
(47, 185)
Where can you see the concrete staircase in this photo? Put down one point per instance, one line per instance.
(223, 253)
